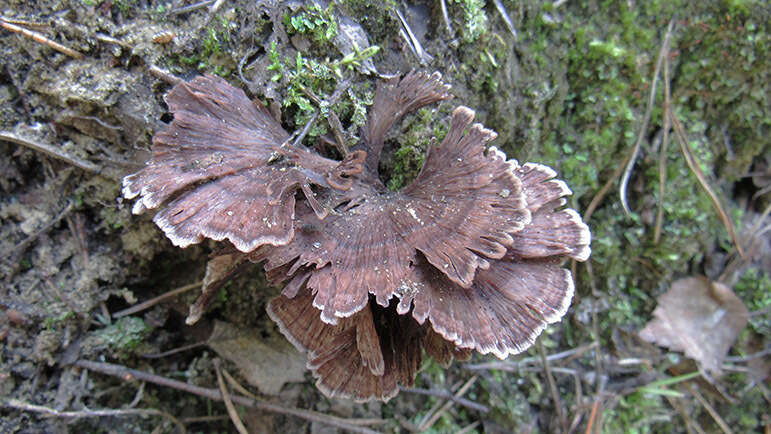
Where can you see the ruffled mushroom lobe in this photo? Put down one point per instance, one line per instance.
(512, 301)
(214, 168)
(366, 356)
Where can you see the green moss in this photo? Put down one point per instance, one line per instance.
(313, 21)
(754, 288)
(474, 19)
(212, 51)
(122, 337)
(305, 74)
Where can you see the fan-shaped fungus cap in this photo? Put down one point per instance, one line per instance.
(466, 257)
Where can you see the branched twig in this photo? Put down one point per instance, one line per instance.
(644, 127)
(128, 374)
(25, 406)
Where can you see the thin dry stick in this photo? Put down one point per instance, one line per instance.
(226, 398)
(163, 74)
(191, 8)
(689, 158)
(690, 424)
(50, 150)
(407, 34)
(199, 419)
(506, 18)
(27, 241)
(446, 16)
(468, 428)
(644, 127)
(128, 374)
(39, 38)
(25, 406)
(663, 155)
(446, 395)
(592, 415)
(712, 412)
(153, 301)
(25, 23)
(174, 351)
(242, 390)
(426, 425)
(515, 366)
(553, 388)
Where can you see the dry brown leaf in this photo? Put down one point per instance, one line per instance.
(265, 363)
(699, 317)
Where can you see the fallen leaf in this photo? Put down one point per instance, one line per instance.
(699, 317)
(265, 363)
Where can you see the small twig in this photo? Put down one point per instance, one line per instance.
(128, 374)
(663, 155)
(711, 410)
(553, 388)
(644, 127)
(592, 416)
(506, 18)
(759, 354)
(191, 8)
(51, 151)
(447, 395)
(468, 428)
(428, 423)
(341, 88)
(226, 398)
(164, 75)
(515, 366)
(174, 351)
(25, 23)
(446, 16)
(199, 419)
(242, 390)
(241, 67)
(39, 38)
(103, 37)
(27, 241)
(25, 406)
(138, 397)
(412, 40)
(689, 158)
(153, 301)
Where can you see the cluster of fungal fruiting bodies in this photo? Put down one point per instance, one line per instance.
(466, 257)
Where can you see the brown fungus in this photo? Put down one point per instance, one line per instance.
(466, 257)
